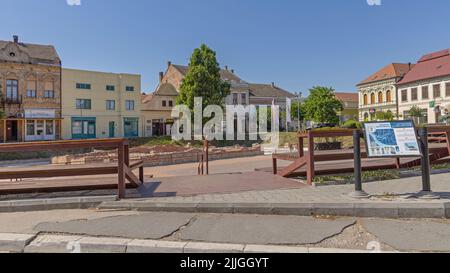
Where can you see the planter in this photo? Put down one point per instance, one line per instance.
(326, 146)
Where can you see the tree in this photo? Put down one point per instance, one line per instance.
(295, 110)
(203, 80)
(322, 105)
(416, 113)
(384, 115)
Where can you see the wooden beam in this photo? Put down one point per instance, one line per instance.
(121, 171)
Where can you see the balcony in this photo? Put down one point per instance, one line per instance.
(12, 100)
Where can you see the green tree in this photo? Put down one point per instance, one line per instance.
(295, 111)
(416, 113)
(322, 105)
(203, 80)
(384, 115)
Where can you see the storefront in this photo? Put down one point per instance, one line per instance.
(131, 127)
(41, 124)
(84, 128)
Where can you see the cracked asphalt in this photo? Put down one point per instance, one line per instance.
(328, 232)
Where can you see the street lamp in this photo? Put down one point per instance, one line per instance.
(299, 97)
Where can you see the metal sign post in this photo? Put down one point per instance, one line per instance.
(426, 192)
(358, 193)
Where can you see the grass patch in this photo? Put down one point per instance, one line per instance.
(367, 176)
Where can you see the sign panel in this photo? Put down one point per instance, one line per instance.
(391, 139)
(40, 113)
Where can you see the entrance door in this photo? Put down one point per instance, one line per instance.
(112, 128)
(40, 132)
(11, 130)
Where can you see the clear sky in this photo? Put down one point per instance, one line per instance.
(295, 43)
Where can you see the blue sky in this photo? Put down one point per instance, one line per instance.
(295, 43)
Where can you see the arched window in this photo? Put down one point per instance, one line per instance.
(380, 97)
(366, 100)
(388, 96)
(372, 98)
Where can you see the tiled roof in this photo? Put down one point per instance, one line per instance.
(347, 96)
(29, 53)
(226, 75)
(433, 65)
(166, 89)
(390, 71)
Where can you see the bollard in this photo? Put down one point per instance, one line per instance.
(358, 193)
(426, 192)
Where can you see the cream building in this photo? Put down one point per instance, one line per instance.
(427, 86)
(378, 93)
(100, 105)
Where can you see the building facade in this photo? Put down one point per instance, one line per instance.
(350, 106)
(378, 93)
(100, 105)
(30, 88)
(427, 86)
(156, 115)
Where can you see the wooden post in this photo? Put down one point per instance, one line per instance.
(121, 171)
(397, 163)
(127, 153)
(301, 152)
(275, 167)
(310, 159)
(141, 174)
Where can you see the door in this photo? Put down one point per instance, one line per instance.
(112, 128)
(40, 135)
(11, 130)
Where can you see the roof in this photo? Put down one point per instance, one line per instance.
(268, 91)
(225, 74)
(390, 71)
(166, 89)
(347, 96)
(28, 53)
(433, 65)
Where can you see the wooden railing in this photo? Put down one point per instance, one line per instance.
(309, 158)
(123, 168)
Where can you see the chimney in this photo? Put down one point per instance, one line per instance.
(161, 76)
(409, 66)
(16, 39)
(226, 67)
(273, 84)
(169, 63)
(232, 71)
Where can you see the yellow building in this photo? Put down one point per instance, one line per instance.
(100, 105)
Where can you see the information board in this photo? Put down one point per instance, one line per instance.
(391, 139)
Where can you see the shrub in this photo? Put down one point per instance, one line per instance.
(352, 124)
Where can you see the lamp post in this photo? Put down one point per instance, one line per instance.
(299, 97)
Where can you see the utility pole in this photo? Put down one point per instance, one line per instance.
(299, 97)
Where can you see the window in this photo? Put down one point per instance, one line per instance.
(83, 86)
(366, 99)
(12, 89)
(425, 93)
(380, 97)
(414, 95)
(110, 105)
(164, 103)
(83, 104)
(170, 103)
(31, 89)
(388, 96)
(404, 95)
(129, 88)
(110, 88)
(235, 99)
(372, 98)
(49, 94)
(447, 89)
(49, 128)
(30, 128)
(244, 98)
(436, 91)
(129, 105)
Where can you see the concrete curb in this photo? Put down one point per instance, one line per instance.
(28, 243)
(392, 210)
(54, 203)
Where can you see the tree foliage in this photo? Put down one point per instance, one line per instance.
(203, 80)
(387, 116)
(415, 112)
(322, 105)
